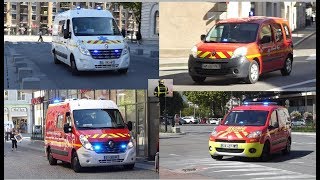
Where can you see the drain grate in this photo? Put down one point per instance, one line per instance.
(189, 170)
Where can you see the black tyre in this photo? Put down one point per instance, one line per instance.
(287, 150)
(75, 163)
(123, 71)
(198, 79)
(265, 155)
(253, 74)
(287, 67)
(217, 157)
(51, 159)
(74, 69)
(128, 166)
(55, 59)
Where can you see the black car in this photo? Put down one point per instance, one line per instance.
(181, 121)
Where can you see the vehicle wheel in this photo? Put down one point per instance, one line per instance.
(74, 69)
(129, 166)
(265, 155)
(198, 79)
(180, 123)
(75, 163)
(253, 74)
(51, 159)
(288, 147)
(217, 157)
(286, 70)
(55, 59)
(123, 71)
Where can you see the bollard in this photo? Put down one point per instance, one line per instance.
(30, 83)
(154, 54)
(24, 72)
(139, 51)
(157, 162)
(176, 129)
(20, 65)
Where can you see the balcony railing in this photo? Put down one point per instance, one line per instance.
(24, 4)
(44, 4)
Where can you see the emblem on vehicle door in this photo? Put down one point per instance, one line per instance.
(111, 144)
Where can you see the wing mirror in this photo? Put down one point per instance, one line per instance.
(129, 124)
(203, 37)
(67, 128)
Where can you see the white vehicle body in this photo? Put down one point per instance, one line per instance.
(94, 42)
(8, 125)
(189, 119)
(214, 121)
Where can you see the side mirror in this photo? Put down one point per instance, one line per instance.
(67, 128)
(203, 37)
(66, 33)
(129, 124)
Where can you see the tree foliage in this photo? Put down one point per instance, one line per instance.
(135, 7)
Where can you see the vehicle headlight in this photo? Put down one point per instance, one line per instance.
(125, 49)
(254, 134)
(194, 51)
(214, 132)
(239, 52)
(82, 48)
(130, 145)
(85, 143)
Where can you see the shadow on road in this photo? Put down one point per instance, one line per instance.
(98, 169)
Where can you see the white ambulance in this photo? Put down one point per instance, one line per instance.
(89, 40)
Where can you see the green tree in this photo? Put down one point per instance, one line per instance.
(135, 7)
(173, 104)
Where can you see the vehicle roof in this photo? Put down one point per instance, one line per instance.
(85, 13)
(253, 19)
(257, 107)
(88, 104)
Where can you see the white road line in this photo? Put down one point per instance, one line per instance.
(303, 143)
(289, 177)
(245, 169)
(292, 85)
(173, 68)
(265, 173)
(253, 166)
(297, 162)
(312, 57)
(174, 155)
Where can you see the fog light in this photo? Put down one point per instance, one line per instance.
(88, 161)
(210, 148)
(235, 71)
(252, 150)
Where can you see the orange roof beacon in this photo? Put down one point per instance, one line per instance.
(88, 133)
(243, 48)
(254, 130)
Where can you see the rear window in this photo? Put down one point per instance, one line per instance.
(277, 32)
(286, 31)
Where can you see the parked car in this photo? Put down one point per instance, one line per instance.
(182, 121)
(189, 119)
(298, 122)
(196, 121)
(214, 121)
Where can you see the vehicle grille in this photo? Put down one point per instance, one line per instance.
(230, 141)
(229, 150)
(105, 148)
(110, 161)
(105, 66)
(106, 53)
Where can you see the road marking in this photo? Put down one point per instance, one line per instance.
(172, 68)
(174, 155)
(264, 173)
(292, 85)
(312, 57)
(288, 177)
(302, 143)
(297, 162)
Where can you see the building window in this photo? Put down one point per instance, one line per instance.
(5, 95)
(156, 23)
(34, 17)
(13, 7)
(21, 95)
(14, 16)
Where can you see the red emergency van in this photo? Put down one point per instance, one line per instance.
(243, 48)
(255, 129)
(88, 133)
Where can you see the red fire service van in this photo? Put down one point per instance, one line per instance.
(255, 129)
(88, 133)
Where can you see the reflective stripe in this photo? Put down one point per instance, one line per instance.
(238, 135)
(122, 135)
(221, 55)
(103, 135)
(205, 54)
(114, 135)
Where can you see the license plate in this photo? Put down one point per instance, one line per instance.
(211, 66)
(106, 62)
(229, 146)
(111, 157)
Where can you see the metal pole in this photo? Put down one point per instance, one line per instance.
(165, 112)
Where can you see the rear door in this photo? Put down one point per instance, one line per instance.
(278, 53)
(283, 131)
(274, 132)
(265, 47)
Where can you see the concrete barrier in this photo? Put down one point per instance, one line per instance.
(14, 56)
(30, 83)
(24, 72)
(20, 65)
(139, 51)
(18, 59)
(154, 54)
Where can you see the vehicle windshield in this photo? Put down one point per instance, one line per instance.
(97, 118)
(94, 26)
(233, 33)
(246, 118)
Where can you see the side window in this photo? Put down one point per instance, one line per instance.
(282, 118)
(286, 30)
(277, 32)
(60, 121)
(61, 27)
(265, 34)
(68, 118)
(273, 118)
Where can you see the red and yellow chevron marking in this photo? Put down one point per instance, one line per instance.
(109, 135)
(103, 42)
(238, 131)
(217, 55)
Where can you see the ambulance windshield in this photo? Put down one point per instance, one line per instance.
(98, 118)
(233, 33)
(246, 118)
(94, 26)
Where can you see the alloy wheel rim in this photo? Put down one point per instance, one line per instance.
(254, 72)
(288, 65)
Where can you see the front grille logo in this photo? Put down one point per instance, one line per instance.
(111, 144)
(106, 46)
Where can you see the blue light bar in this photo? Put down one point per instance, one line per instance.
(116, 50)
(56, 101)
(97, 147)
(245, 103)
(78, 7)
(99, 8)
(95, 51)
(123, 146)
(265, 103)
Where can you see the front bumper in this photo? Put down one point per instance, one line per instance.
(235, 67)
(88, 158)
(87, 63)
(243, 149)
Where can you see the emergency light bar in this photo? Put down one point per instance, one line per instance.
(78, 7)
(99, 7)
(260, 103)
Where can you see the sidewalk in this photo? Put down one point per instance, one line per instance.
(179, 63)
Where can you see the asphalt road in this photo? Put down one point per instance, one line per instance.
(187, 156)
(38, 56)
(302, 77)
(30, 163)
